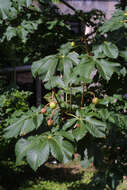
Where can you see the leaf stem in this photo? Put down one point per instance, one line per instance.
(82, 98)
(70, 98)
(53, 113)
(57, 99)
(66, 97)
(72, 115)
(86, 46)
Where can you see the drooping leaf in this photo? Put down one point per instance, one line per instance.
(98, 51)
(69, 123)
(24, 125)
(110, 50)
(59, 82)
(38, 154)
(114, 23)
(83, 71)
(80, 131)
(55, 148)
(65, 48)
(45, 67)
(67, 67)
(74, 57)
(51, 70)
(95, 127)
(67, 134)
(107, 68)
(67, 149)
(35, 149)
(21, 148)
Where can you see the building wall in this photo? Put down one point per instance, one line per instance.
(86, 5)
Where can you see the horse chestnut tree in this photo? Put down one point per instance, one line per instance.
(79, 122)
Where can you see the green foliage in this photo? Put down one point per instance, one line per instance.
(75, 73)
(37, 149)
(25, 27)
(32, 120)
(13, 100)
(115, 23)
(14, 103)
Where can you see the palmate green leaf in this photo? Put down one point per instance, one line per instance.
(45, 67)
(114, 23)
(104, 114)
(55, 149)
(24, 125)
(67, 67)
(110, 50)
(67, 63)
(107, 68)
(65, 48)
(21, 148)
(38, 154)
(74, 57)
(83, 71)
(66, 147)
(80, 131)
(35, 149)
(107, 116)
(67, 134)
(51, 70)
(56, 81)
(59, 82)
(63, 62)
(52, 83)
(67, 151)
(95, 127)
(111, 99)
(69, 123)
(40, 67)
(98, 51)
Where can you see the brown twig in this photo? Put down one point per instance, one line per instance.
(86, 45)
(53, 113)
(82, 98)
(57, 99)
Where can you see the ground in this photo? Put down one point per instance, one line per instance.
(51, 177)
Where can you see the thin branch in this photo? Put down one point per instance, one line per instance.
(70, 98)
(82, 98)
(57, 100)
(68, 5)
